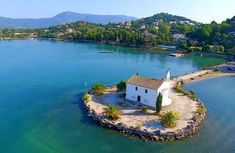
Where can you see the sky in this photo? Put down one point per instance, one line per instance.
(199, 10)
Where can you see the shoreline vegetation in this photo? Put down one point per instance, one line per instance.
(151, 48)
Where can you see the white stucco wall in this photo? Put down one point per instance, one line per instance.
(150, 97)
(164, 89)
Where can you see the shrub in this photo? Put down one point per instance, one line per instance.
(179, 89)
(191, 93)
(169, 119)
(186, 93)
(86, 98)
(121, 86)
(112, 112)
(159, 103)
(206, 48)
(200, 110)
(193, 97)
(124, 103)
(195, 117)
(221, 49)
(98, 89)
(144, 108)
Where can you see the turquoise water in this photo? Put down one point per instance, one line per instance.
(41, 83)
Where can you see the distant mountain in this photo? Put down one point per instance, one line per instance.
(62, 18)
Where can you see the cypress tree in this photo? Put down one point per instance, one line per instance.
(159, 103)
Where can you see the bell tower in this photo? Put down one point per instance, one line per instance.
(168, 76)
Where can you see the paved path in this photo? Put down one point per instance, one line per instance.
(193, 75)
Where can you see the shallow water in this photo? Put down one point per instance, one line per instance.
(41, 83)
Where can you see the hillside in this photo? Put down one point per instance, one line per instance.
(62, 18)
(168, 18)
(161, 29)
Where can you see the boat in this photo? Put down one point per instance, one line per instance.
(177, 55)
(106, 52)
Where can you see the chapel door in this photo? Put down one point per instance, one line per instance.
(138, 98)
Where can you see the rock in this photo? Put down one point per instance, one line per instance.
(157, 132)
(120, 124)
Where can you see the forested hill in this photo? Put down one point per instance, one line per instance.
(62, 18)
(167, 18)
(161, 29)
(232, 20)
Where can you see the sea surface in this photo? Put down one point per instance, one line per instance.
(42, 82)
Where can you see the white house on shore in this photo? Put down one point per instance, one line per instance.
(146, 90)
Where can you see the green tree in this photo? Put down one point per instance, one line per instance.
(159, 103)
(205, 33)
(206, 48)
(121, 86)
(221, 49)
(164, 28)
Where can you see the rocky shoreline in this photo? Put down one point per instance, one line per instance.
(184, 102)
(180, 134)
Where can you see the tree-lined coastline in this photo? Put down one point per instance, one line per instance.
(160, 29)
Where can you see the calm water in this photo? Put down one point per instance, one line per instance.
(41, 83)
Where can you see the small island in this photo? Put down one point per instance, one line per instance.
(152, 109)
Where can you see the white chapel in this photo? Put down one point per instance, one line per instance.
(146, 90)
